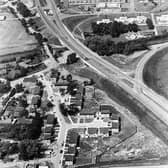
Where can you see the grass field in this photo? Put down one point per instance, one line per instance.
(72, 21)
(156, 74)
(13, 34)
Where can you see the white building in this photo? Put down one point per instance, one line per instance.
(162, 20)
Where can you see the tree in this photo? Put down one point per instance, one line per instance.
(71, 58)
(5, 86)
(71, 86)
(29, 149)
(69, 78)
(23, 10)
(149, 23)
(19, 88)
(39, 38)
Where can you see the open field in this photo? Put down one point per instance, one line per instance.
(145, 7)
(125, 62)
(72, 21)
(13, 36)
(156, 74)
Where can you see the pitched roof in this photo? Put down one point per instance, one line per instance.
(31, 79)
(69, 158)
(104, 130)
(35, 90)
(71, 150)
(24, 121)
(115, 117)
(35, 100)
(48, 129)
(92, 130)
(47, 136)
(115, 125)
(105, 109)
(72, 137)
(50, 119)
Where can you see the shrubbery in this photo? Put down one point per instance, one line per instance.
(115, 29)
(107, 47)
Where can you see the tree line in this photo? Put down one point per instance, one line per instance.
(107, 47)
(115, 29)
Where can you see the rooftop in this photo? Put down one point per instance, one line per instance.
(104, 130)
(69, 158)
(92, 130)
(71, 150)
(32, 79)
(72, 137)
(50, 119)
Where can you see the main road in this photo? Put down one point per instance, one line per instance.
(159, 108)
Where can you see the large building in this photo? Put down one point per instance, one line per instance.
(104, 3)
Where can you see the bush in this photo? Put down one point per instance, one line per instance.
(29, 149)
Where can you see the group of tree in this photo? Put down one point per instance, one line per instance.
(107, 47)
(115, 29)
(72, 86)
(72, 58)
(5, 86)
(7, 148)
(20, 132)
(29, 149)
(149, 23)
(23, 10)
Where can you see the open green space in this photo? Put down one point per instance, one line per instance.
(155, 72)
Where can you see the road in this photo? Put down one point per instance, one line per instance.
(108, 70)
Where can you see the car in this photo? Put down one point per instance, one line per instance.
(61, 151)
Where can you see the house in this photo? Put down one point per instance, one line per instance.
(9, 111)
(35, 90)
(72, 138)
(48, 129)
(104, 131)
(20, 112)
(47, 136)
(36, 100)
(76, 101)
(32, 111)
(92, 132)
(30, 81)
(50, 119)
(68, 160)
(106, 111)
(115, 128)
(24, 121)
(70, 151)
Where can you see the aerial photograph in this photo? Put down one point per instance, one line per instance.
(83, 83)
